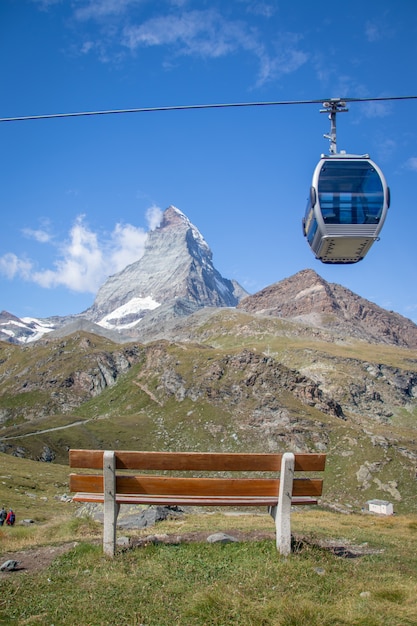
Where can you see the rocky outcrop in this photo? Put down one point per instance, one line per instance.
(60, 375)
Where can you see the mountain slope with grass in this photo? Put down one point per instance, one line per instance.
(238, 381)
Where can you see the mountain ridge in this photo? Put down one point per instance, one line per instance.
(306, 297)
(175, 277)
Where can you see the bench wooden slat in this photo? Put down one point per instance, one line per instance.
(192, 501)
(195, 461)
(204, 487)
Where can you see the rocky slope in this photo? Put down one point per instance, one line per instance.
(258, 388)
(308, 298)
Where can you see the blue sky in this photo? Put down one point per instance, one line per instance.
(78, 195)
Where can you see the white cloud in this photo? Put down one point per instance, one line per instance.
(39, 235)
(287, 59)
(154, 217)
(11, 266)
(207, 34)
(127, 245)
(204, 33)
(201, 33)
(80, 265)
(84, 260)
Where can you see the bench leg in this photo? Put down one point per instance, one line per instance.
(111, 508)
(282, 512)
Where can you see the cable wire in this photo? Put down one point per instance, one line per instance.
(187, 107)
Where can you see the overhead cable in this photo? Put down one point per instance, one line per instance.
(187, 107)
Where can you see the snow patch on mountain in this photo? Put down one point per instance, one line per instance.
(26, 329)
(135, 306)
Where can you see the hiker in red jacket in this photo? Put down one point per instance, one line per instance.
(10, 518)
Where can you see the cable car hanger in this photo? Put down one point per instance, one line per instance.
(335, 105)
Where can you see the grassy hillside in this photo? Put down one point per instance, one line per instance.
(33, 489)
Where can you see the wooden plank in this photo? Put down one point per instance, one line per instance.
(198, 461)
(310, 462)
(162, 485)
(204, 487)
(215, 461)
(91, 459)
(88, 482)
(192, 501)
(195, 461)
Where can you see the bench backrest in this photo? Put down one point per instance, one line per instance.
(195, 462)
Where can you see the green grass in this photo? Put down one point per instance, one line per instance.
(246, 583)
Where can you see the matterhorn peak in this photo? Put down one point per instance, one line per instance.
(172, 216)
(175, 219)
(176, 266)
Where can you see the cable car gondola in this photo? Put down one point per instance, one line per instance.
(348, 203)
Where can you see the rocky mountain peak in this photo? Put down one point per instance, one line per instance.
(174, 217)
(176, 266)
(308, 298)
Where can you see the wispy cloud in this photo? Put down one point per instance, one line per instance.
(208, 34)
(154, 216)
(99, 9)
(411, 164)
(385, 147)
(202, 33)
(379, 29)
(376, 109)
(11, 266)
(113, 28)
(264, 9)
(42, 236)
(84, 260)
(373, 32)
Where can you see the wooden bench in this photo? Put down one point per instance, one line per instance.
(112, 487)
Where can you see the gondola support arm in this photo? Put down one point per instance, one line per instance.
(333, 106)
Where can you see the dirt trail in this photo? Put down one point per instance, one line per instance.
(34, 559)
(47, 430)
